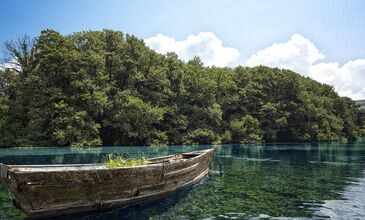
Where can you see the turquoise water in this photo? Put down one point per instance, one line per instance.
(272, 181)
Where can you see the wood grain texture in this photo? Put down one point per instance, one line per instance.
(51, 190)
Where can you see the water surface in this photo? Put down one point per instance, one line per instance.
(272, 181)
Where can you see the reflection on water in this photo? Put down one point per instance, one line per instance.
(275, 181)
(351, 205)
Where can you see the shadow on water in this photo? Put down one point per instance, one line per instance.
(267, 181)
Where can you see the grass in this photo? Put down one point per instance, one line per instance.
(113, 161)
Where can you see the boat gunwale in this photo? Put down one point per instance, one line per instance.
(26, 207)
(99, 166)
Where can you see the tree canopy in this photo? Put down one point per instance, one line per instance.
(107, 88)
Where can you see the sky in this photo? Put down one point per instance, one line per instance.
(320, 39)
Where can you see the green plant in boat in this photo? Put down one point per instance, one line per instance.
(113, 161)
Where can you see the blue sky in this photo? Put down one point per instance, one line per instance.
(336, 28)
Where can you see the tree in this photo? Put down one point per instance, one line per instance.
(21, 55)
(135, 122)
(200, 136)
(107, 88)
(245, 130)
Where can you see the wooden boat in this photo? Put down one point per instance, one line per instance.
(53, 190)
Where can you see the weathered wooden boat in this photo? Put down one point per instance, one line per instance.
(53, 190)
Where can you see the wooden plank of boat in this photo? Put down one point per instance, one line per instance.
(52, 190)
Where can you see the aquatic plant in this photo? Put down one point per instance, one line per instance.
(113, 161)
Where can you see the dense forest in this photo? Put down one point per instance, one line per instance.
(106, 88)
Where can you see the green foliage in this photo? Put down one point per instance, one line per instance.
(245, 130)
(224, 138)
(200, 136)
(106, 88)
(4, 107)
(135, 120)
(73, 128)
(114, 161)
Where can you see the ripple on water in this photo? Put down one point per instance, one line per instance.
(352, 206)
(284, 182)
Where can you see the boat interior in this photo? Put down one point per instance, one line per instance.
(62, 167)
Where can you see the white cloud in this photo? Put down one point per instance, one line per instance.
(301, 55)
(297, 54)
(206, 45)
(348, 80)
(12, 64)
(5, 66)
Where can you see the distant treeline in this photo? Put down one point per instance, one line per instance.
(106, 88)
(361, 103)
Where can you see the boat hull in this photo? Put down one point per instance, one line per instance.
(45, 191)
